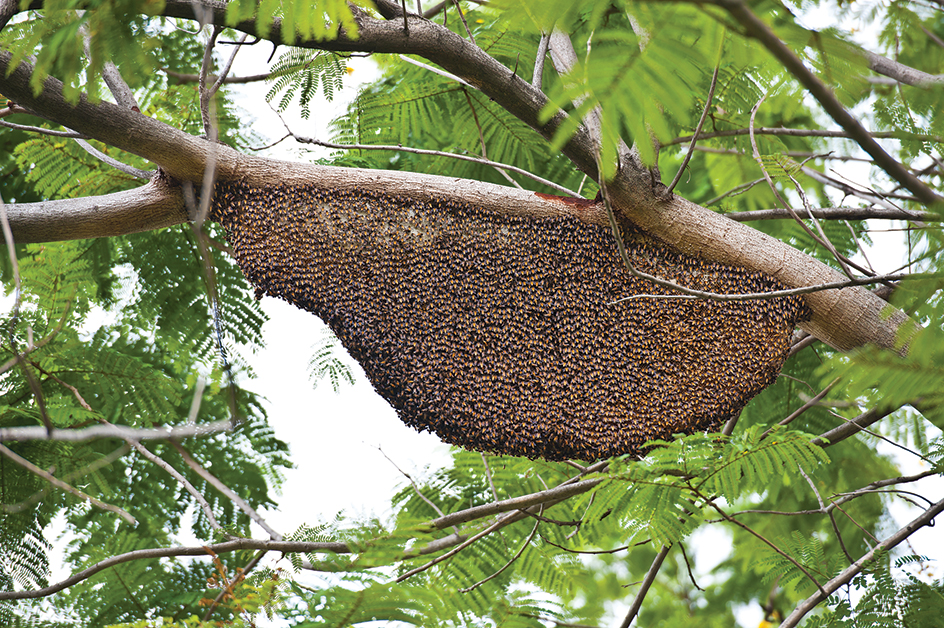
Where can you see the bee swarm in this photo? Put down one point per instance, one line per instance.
(506, 334)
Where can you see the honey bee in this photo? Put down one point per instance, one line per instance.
(506, 334)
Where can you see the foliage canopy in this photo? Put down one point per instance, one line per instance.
(130, 330)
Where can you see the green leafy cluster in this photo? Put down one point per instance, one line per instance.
(122, 330)
(301, 71)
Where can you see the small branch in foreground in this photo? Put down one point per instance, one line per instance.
(644, 588)
(925, 519)
(112, 431)
(524, 546)
(888, 135)
(42, 131)
(435, 70)
(761, 538)
(114, 163)
(48, 477)
(194, 78)
(515, 503)
(840, 213)
(90, 468)
(227, 491)
(701, 123)
(437, 153)
(190, 488)
(294, 547)
(501, 522)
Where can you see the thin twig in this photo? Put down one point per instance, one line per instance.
(190, 488)
(806, 406)
(114, 163)
(436, 70)
(194, 78)
(437, 153)
(688, 565)
(501, 522)
(464, 23)
(488, 475)
(42, 131)
(760, 537)
(48, 477)
(89, 468)
(416, 489)
(744, 187)
(70, 387)
(780, 131)
(644, 588)
(478, 126)
(925, 519)
(524, 546)
(229, 65)
(701, 122)
(227, 491)
(832, 519)
(773, 188)
(839, 213)
(295, 547)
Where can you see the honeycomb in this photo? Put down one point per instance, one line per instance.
(505, 333)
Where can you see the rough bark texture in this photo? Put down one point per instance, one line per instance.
(843, 318)
(153, 206)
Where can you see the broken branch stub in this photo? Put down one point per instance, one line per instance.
(502, 333)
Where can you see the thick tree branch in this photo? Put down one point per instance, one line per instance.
(155, 205)
(901, 72)
(843, 319)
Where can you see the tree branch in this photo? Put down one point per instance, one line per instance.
(19, 434)
(757, 29)
(194, 78)
(293, 547)
(901, 72)
(843, 319)
(227, 491)
(840, 213)
(48, 477)
(925, 519)
(515, 503)
(644, 588)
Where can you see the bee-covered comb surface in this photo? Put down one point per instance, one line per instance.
(512, 334)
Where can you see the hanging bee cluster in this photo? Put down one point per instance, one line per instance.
(508, 334)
